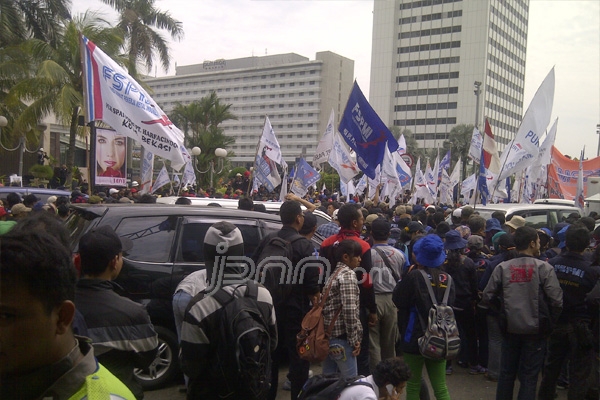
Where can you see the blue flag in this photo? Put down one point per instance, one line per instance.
(365, 132)
(482, 182)
(305, 177)
(444, 164)
(508, 189)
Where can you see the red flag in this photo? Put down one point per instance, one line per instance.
(490, 152)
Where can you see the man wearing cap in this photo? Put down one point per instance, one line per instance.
(19, 211)
(387, 270)
(571, 339)
(515, 223)
(201, 335)
(113, 196)
(527, 294)
(120, 329)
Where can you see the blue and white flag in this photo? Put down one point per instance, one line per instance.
(176, 179)
(189, 175)
(305, 177)
(361, 185)
(340, 159)
(468, 184)
(161, 180)
(270, 146)
(401, 145)
(444, 164)
(284, 188)
(403, 170)
(365, 132)
(325, 144)
(147, 172)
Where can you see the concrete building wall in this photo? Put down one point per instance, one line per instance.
(297, 94)
(427, 55)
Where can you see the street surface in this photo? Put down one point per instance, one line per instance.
(462, 386)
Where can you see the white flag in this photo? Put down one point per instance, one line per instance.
(114, 97)
(455, 175)
(468, 184)
(421, 189)
(147, 172)
(445, 189)
(431, 182)
(340, 159)
(524, 149)
(401, 145)
(176, 179)
(361, 185)
(284, 187)
(476, 143)
(325, 144)
(161, 180)
(546, 147)
(351, 190)
(270, 144)
(189, 177)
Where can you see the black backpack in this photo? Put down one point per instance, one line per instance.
(275, 268)
(244, 353)
(328, 386)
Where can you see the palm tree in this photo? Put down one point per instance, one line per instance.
(138, 17)
(200, 122)
(459, 142)
(54, 85)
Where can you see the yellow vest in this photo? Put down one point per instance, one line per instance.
(102, 385)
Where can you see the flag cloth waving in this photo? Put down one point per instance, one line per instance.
(579, 197)
(305, 177)
(341, 161)
(325, 144)
(482, 180)
(365, 132)
(161, 180)
(114, 97)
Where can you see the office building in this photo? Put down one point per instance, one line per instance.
(429, 57)
(297, 94)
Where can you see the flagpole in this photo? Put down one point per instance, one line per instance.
(251, 183)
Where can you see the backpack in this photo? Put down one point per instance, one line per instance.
(244, 353)
(312, 342)
(328, 386)
(275, 258)
(441, 340)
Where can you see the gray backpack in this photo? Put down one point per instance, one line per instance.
(441, 340)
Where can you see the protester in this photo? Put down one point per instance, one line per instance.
(387, 382)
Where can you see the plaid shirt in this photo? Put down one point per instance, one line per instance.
(344, 293)
(328, 229)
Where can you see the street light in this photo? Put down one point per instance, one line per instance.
(219, 153)
(598, 133)
(477, 92)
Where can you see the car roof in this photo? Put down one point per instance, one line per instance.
(512, 207)
(138, 209)
(27, 190)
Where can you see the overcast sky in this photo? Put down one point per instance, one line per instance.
(562, 33)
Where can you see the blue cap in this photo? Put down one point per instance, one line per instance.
(429, 251)
(454, 241)
(492, 224)
(562, 236)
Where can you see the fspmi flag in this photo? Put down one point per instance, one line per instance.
(365, 132)
(114, 97)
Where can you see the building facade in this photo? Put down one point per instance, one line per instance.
(430, 57)
(297, 94)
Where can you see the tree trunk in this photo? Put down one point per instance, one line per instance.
(71, 148)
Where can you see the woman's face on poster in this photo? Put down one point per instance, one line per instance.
(110, 150)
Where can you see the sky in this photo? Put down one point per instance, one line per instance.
(564, 34)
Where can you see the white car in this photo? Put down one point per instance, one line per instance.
(536, 215)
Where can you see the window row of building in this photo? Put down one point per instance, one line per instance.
(427, 92)
(518, 15)
(430, 17)
(496, 107)
(508, 37)
(425, 121)
(425, 3)
(427, 62)
(426, 106)
(508, 83)
(504, 96)
(430, 32)
(508, 22)
(506, 67)
(429, 46)
(427, 77)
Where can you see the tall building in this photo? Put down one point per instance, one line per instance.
(430, 57)
(297, 94)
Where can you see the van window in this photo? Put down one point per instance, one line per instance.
(536, 219)
(152, 237)
(191, 245)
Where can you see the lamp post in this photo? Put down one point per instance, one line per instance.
(598, 133)
(219, 153)
(477, 92)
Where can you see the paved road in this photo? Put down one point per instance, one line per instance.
(461, 386)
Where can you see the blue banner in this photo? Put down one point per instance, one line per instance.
(305, 177)
(365, 132)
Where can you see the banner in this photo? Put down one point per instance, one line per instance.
(114, 97)
(340, 159)
(161, 180)
(268, 155)
(563, 173)
(401, 145)
(325, 144)
(111, 156)
(476, 145)
(305, 177)
(524, 149)
(147, 172)
(365, 132)
(270, 145)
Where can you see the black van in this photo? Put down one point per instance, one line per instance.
(168, 245)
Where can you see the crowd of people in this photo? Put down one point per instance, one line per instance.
(525, 302)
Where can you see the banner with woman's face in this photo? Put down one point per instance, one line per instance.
(111, 156)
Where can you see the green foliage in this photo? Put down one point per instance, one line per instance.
(42, 171)
(331, 181)
(458, 143)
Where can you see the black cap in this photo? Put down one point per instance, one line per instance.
(310, 222)
(103, 240)
(380, 229)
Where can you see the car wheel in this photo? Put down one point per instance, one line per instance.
(165, 366)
